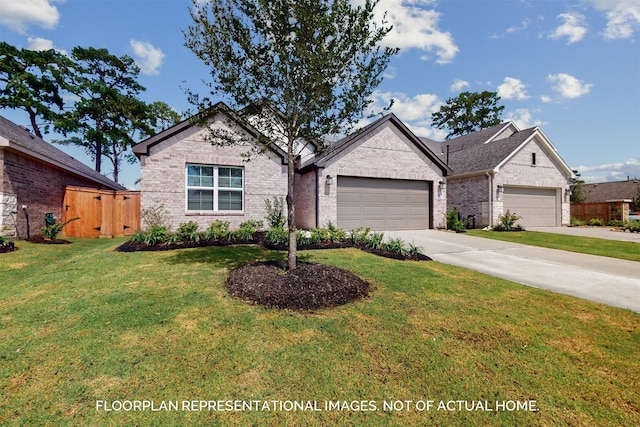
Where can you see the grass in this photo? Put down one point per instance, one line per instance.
(81, 324)
(585, 245)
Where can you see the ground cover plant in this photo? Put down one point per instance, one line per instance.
(85, 326)
(586, 245)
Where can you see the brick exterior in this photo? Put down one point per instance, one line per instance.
(305, 198)
(163, 177)
(470, 194)
(34, 184)
(387, 153)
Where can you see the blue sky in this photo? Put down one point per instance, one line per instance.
(570, 67)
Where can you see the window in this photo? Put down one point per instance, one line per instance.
(533, 159)
(214, 188)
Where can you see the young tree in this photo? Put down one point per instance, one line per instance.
(33, 81)
(468, 112)
(576, 185)
(107, 106)
(307, 68)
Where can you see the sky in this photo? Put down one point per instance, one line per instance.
(570, 67)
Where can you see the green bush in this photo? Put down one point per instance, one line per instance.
(596, 222)
(616, 223)
(217, 230)
(395, 245)
(358, 236)
(634, 226)
(156, 235)
(303, 237)
(508, 222)
(453, 220)
(275, 213)
(187, 232)
(3, 241)
(577, 222)
(414, 249)
(335, 233)
(318, 235)
(277, 236)
(375, 240)
(155, 216)
(247, 230)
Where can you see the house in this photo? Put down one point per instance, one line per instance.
(615, 190)
(382, 177)
(34, 177)
(502, 168)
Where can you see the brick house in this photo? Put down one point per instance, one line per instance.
(34, 175)
(383, 177)
(503, 168)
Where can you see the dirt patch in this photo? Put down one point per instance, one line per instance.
(310, 286)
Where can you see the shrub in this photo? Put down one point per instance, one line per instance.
(616, 223)
(634, 226)
(217, 230)
(247, 230)
(155, 216)
(52, 231)
(275, 212)
(277, 236)
(3, 241)
(358, 236)
(577, 222)
(453, 220)
(508, 222)
(156, 235)
(414, 249)
(596, 222)
(335, 234)
(375, 240)
(318, 235)
(303, 237)
(187, 232)
(396, 245)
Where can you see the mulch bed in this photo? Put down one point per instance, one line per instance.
(42, 240)
(310, 286)
(7, 247)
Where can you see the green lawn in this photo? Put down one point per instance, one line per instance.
(82, 325)
(585, 245)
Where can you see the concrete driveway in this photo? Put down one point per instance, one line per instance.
(605, 280)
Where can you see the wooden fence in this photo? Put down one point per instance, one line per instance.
(102, 213)
(606, 211)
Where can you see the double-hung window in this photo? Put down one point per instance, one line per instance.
(214, 188)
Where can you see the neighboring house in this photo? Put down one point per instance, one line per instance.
(383, 177)
(502, 168)
(34, 175)
(618, 190)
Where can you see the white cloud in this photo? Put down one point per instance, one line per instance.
(573, 28)
(415, 27)
(39, 44)
(19, 14)
(568, 86)
(611, 171)
(546, 99)
(458, 85)
(523, 118)
(512, 88)
(623, 17)
(148, 57)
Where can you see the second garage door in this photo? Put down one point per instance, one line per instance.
(538, 207)
(382, 204)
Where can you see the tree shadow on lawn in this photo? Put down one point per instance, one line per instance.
(229, 257)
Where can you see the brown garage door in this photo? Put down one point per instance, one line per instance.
(538, 207)
(382, 204)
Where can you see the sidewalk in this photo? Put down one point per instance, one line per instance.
(597, 232)
(605, 280)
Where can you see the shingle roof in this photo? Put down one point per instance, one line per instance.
(472, 153)
(603, 191)
(20, 139)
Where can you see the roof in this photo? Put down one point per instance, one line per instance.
(143, 148)
(322, 159)
(603, 191)
(19, 139)
(488, 149)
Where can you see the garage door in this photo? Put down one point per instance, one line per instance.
(538, 207)
(382, 204)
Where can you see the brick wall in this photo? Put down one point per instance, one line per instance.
(38, 186)
(469, 195)
(305, 197)
(163, 177)
(384, 154)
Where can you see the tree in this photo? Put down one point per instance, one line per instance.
(33, 81)
(307, 68)
(162, 116)
(468, 112)
(576, 185)
(107, 109)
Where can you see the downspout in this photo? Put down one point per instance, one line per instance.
(317, 198)
(490, 175)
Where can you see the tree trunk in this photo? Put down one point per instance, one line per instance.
(291, 209)
(34, 124)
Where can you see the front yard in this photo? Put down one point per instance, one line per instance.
(87, 332)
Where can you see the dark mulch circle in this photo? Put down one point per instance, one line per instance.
(310, 286)
(42, 240)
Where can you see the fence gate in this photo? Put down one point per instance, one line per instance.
(102, 213)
